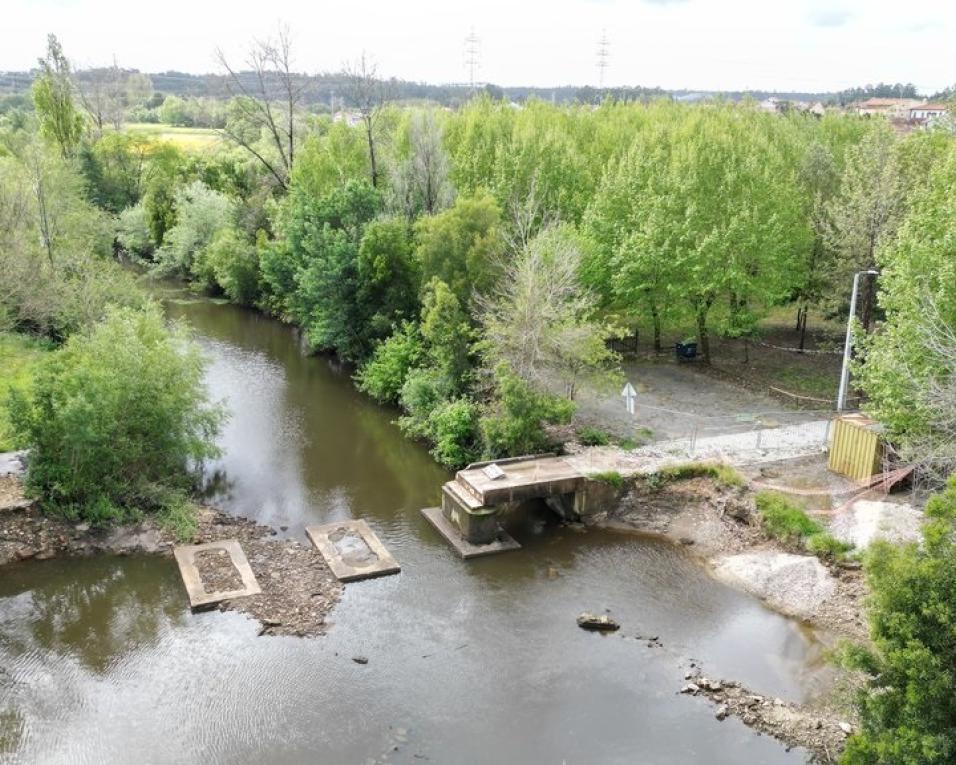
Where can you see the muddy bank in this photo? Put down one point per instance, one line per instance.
(298, 589)
(821, 731)
(719, 525)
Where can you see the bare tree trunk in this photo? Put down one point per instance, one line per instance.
(802, 326)
(371, 152)
(703, 337)
(656, 316)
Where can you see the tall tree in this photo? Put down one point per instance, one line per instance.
(266, 103)
(369, 95)
(421, 182)
(60, 121)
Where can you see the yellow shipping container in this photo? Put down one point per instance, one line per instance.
(857, 449)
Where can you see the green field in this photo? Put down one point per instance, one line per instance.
(185, 137)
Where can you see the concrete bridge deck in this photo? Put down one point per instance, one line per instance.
(523, 479)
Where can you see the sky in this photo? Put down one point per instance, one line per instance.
(800, 45)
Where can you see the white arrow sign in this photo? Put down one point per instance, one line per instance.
(629, 395)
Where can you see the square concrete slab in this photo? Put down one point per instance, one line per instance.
(463, 547)
(198, 597)
(352, 550)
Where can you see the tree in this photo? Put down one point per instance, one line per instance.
(388, 278)
(60, 121)
(540, 320)
(908, 705)
(907, 367)
(369, 95)
(267, 103)
(232, 263)
(462, 246)
(421, 182)
(119, 420)
(200, 214)
(102, 94)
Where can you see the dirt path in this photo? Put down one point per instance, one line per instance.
(703, 402)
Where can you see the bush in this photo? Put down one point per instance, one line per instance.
(516, 421)
(20, 355)
(200, 214)
(723, 475)
(612, 477)
(453, 427)
(132, 232)
(828, 547)
(233, 264)
(383, 376)
(590, 436)
(118, 420)
(908, 704)
(424, 390)
(783, 520)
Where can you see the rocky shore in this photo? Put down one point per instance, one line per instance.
(298, 589)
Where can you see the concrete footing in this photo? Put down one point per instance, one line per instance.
(352, 550)
(198, 597)
(502, 541)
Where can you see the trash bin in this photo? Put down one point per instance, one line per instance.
(686, 351)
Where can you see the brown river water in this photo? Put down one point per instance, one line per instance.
(478, 662)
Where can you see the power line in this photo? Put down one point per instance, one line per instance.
(472, 59)
(603, 53)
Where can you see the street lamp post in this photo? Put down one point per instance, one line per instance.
(848, 345)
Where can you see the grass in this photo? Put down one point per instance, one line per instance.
(723, 475)
(611, 477)
(591, 436)
(782, 519)
(20, 356)
(180, 517)
(185, 137)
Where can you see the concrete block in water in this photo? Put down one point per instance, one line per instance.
(198, 596)
(352, 550)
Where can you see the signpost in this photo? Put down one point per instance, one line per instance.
(629, 395)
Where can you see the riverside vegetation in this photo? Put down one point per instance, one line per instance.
(471, 266)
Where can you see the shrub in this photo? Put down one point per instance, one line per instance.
(908, 704)
(723, 475)
(132, 231)
(612, 477)
(118, 420)
(591, 436)
(515, 424)
(828, 547)
(383, 376)
(453, 427)
(20, 356)
(233, 264)
(424, 390)
(782, 519)
(200, 213)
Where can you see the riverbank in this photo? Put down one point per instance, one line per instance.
(298, 588)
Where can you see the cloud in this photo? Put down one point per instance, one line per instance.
(666, 2)
(830, 17)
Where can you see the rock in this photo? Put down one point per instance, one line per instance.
(687, 541)
(360, 659)
(722, 711)
(690, 688)
(602, 623)
(868, 520)
(846, 728)
(794, 584)
(82, 527)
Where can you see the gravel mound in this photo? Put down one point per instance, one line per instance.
(867, 521)
(793, 584)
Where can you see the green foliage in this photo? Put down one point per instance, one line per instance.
(908, 705)
(117, 420)
(783, 519)
(384, 374)
(132, 231)
(515, 422)
(200, 214)
(460, 246)
(447, 334)
(232, 263)
(388, 281)
(612, 477)
(60, 121)
(591, 436)
(453, 428)
(828, 547)
(918, 293)
(20, 357)
(722, 474)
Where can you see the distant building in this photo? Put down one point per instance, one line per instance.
(927, 111)
(349, 118)
(888, 107)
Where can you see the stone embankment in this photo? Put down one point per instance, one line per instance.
(298, 589)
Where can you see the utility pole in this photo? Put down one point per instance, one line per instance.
(472, 61)
(848, 345)
(602, 57)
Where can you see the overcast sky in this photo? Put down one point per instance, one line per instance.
(705, 44)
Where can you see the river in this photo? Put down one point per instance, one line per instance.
(478, 662)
